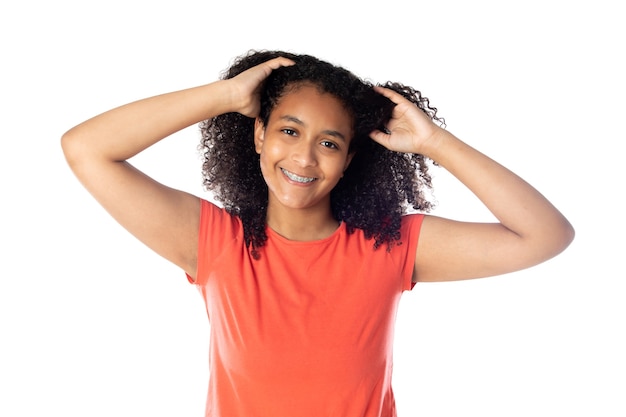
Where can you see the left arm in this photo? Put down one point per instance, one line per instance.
(529, 230)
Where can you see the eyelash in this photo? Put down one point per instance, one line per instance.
(332, 145)
(325, 143)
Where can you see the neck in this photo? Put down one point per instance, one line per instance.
(301, 225)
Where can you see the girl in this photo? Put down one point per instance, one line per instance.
(323, 180)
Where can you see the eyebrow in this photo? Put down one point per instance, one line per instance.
(333, 133)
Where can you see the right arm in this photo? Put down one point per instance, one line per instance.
(529, 229)
(97, 150)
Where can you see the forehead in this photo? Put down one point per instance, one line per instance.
(313, 106)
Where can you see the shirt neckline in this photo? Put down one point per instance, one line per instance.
(274, 235)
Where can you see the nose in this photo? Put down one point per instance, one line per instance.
(304, 154)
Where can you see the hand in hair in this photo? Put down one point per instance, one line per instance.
(247, 85)
(409, 130)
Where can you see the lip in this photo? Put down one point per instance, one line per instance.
(294, 178)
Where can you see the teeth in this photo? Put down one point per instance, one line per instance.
(297, 178)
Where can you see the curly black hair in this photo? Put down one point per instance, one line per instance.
(379, 185)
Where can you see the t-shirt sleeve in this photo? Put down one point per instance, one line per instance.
(410, 231)
(217, 228)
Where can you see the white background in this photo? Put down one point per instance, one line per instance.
(94, 324)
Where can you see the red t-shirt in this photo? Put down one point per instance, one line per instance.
(307, 329)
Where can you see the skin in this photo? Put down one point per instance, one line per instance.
(529, 230)
(308, 134)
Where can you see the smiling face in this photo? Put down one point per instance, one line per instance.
(304, 149)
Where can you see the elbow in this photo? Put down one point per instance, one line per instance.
(562, 237)
(68, 145)
(568, 234)
(74, 148)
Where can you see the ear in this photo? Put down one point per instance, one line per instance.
(259, 135)
(348, 160)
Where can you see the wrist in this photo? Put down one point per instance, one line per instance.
(435, 146)
(223, 97)
(238, 99)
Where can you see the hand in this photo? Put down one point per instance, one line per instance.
(247, 85)
(409, 130)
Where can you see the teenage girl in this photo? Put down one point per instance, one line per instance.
(322, 179)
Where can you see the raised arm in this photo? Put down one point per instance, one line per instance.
(97, 150)
(530, 229)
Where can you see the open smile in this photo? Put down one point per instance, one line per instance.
(297, 178)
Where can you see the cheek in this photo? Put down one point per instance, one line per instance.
(270, 154)
(263, 163)
(339, 167)
(267, 167)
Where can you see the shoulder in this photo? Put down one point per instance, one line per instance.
(217, 223)
(219, 233)
(411, 225)
(213, 215)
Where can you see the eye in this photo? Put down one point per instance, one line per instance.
(289, 132)
(329, 144)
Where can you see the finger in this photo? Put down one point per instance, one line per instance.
(380, 137)
(389, 93)
(280, 62)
